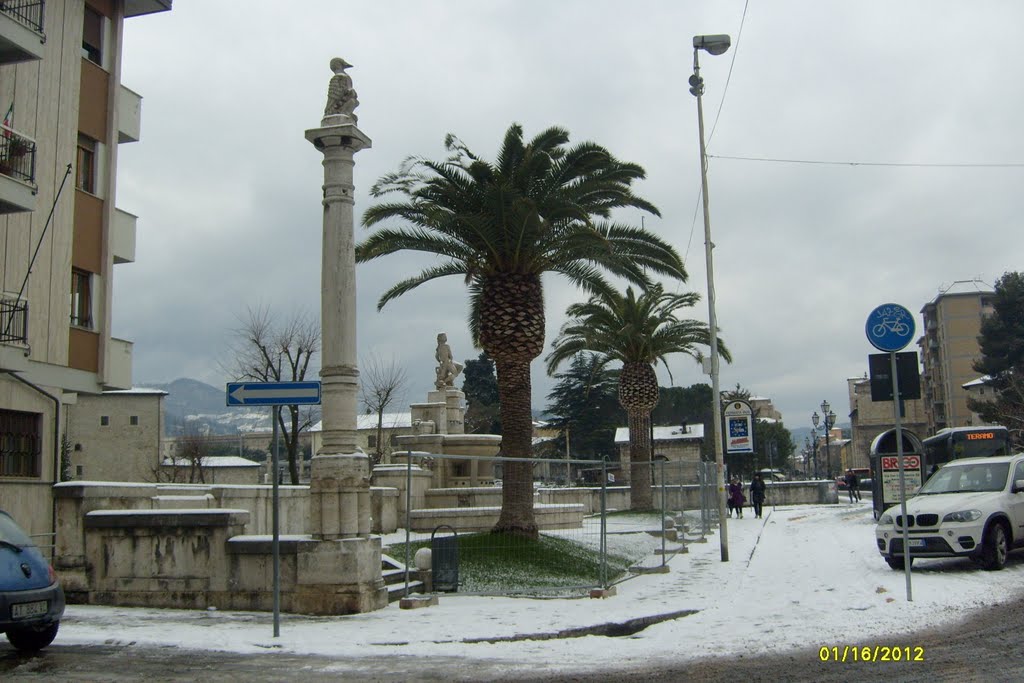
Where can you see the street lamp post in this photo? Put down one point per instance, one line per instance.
(829, 421)
(714, 45)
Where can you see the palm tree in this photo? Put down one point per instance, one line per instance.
(500, 226)
(638, 332)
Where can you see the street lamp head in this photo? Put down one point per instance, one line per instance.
(825, 407)
(715, 45)
(815, 418)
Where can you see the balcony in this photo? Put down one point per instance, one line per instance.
(136, 8)
(122, 237)
(13, 321)
(17, 171)
(118, 368)
(21, 31)
(129, 115)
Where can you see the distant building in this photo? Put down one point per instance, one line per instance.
(393, 425)
(763, 409)
(115, 436)
(979, 390)
(949, 347)
(214, 469)
(679, 447)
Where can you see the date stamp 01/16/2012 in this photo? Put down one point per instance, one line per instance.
(871, 653)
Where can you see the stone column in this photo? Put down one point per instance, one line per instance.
(340, 574)
(340, 475)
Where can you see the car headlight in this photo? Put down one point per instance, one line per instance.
(963, 516)
(886, 518)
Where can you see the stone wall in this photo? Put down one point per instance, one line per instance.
(75, 500)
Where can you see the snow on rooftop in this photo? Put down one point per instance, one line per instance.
(693, 431)
(140, 391)
(213, 461)
(369, 421)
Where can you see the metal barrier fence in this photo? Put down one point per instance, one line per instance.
(588, 536)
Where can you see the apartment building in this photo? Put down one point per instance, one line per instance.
(949, 347)
(61, 234)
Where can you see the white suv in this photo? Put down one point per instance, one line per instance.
(970, 508)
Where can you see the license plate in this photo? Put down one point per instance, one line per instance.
(29, 609)
(917, 543)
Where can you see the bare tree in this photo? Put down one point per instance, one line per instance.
(382, 384)
(186, 464)
(267, 350)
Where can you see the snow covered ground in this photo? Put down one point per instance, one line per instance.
(808, 574)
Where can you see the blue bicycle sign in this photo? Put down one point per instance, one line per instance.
(889, 327)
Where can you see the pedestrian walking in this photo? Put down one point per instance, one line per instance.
(757, 490)
(852, 485)
(736, 496)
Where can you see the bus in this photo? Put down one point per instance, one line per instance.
(965, 442)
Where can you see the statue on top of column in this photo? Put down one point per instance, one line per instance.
(447, 369)
(341, 96)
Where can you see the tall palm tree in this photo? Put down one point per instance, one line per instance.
(501, 225)
(637, 331)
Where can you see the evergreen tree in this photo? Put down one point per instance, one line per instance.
(1002, 358)
(584, 403)
(687, 405)
(483, 415)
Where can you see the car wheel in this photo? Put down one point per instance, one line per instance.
(896, 562)
(994, 547)
(33, 638)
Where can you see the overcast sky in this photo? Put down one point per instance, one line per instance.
(228, 191)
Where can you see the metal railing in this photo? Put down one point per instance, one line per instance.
(27, 12)
(17, 155)
(569, 557)
(13, 321)
(599, 543)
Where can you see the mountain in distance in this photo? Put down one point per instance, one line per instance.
(192, 406)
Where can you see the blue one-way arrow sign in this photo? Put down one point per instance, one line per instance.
(273, 393)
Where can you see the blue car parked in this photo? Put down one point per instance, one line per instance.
(31, 599)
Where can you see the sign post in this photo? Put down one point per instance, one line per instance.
(889, 328)
(739, 427)
(274, 394)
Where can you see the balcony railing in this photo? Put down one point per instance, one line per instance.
(27, 12)
(13, 321)
(17, 155)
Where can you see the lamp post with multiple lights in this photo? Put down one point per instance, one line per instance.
(829, 419)
(714, 45)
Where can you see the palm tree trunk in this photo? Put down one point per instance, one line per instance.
(516, 438)
(640, 494)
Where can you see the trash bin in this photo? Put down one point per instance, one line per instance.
(444, 560)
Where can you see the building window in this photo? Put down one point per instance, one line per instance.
(393, 440)
(79, 471)
(92, 36)
(85, 178)
(371, 441)
(21, 443)
(104, 420)
(81, 298)
(133, 420)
